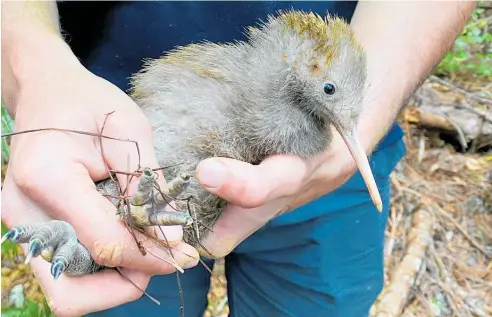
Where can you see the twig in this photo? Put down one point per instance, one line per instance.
(106, 165)
(395, 221)
(424, 303)
(221, 304)
(462, 230)
(173, 263)
(428, 195)
(133, 283)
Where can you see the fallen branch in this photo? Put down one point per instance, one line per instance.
(428, 119)
(466, 125)
(394, 296)
(462, 91)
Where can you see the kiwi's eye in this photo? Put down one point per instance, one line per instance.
(329, 88)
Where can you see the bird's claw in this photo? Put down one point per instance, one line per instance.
(57, 268)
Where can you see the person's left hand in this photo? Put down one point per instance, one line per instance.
(258, 193)
(282, 183)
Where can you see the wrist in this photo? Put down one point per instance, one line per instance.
(382, 104)
(400, 57)
(33, 58)
(391, 80)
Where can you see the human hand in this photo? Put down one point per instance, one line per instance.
(258, 193)
(51, 175)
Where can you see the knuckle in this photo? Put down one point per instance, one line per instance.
(31, 176)
(23, 177)
(107, 254)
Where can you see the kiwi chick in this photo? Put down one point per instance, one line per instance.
(280, 91)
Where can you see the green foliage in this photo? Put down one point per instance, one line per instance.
(472, 50)
(30, 309)
(9, 249)
(7, 126)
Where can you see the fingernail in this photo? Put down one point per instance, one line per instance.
(212, 174)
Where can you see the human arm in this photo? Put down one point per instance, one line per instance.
(51, 174)
(403, 42)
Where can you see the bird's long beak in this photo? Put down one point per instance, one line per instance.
(359, 154)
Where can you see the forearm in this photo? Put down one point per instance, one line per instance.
(32, 46)
(404, 41)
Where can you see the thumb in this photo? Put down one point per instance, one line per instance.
(251, 186)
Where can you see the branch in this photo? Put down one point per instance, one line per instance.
(462, 91)
(394, 296)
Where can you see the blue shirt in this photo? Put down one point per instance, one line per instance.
(112, 38)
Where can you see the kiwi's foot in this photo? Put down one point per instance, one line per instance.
(147, 205)
(57, 243)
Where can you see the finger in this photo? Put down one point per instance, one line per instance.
(76, 296)
(69, 194)
(249, 185)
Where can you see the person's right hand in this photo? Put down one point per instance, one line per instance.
(51, 175)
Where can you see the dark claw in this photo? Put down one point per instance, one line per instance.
(56, 269)
(12, 235)
(34, 250)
